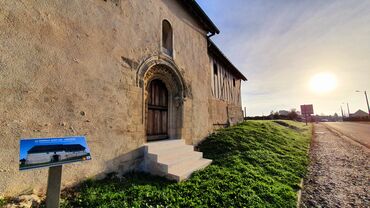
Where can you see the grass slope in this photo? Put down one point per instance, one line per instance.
(255, 164)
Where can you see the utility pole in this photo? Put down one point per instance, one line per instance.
(367, 101)
(341, 109)
(349, 114)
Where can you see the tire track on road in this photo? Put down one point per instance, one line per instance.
(345, 136)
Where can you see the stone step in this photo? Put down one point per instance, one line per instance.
(173, 159)
(164, 145)
(173, 152)
(163, 165)
(170, 161)
(184, 170)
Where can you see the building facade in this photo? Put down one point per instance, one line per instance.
(54, 153)
(120, 72)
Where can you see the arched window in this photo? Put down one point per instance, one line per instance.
(167, 34)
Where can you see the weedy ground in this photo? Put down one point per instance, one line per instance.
(255, 164)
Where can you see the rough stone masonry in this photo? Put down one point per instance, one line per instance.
(71, 67)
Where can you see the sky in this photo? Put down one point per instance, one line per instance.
(27, 144)
(279, 45)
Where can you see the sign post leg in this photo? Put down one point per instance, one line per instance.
(53, 189)
(305, 115)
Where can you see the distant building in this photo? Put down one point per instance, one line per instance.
(54, 153)
(329, 118)
(283, 112)
(359, 114)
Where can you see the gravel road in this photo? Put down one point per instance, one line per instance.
(339, 172)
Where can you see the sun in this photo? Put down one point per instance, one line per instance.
(323, 83)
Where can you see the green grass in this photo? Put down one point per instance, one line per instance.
(255, 164)
(2, 201)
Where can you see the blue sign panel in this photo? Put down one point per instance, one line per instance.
(47, 152)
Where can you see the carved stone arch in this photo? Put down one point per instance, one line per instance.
(165, 74)
(163, 69)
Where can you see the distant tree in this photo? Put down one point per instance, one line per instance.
(276, 115)
(271, 116)
(336, 117)
(293, 115)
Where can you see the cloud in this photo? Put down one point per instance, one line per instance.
(279, 45)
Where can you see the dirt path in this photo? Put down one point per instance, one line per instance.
(339, 172)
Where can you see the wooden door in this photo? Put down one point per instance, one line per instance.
(157, 119)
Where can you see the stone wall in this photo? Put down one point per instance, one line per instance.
(223, 114)
(69, 67)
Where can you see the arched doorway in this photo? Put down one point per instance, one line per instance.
(157, 117)
(162, 72)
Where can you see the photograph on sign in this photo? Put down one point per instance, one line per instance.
(46, 152)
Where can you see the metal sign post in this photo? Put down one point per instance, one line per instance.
(305, 116)
(52, 153)
(53, 189)
(307, 110)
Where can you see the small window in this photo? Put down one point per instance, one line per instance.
(167, 38)
(234, 82)
(215, 70)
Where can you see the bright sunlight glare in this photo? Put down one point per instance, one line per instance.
(323, 83)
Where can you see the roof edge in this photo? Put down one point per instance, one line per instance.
(196, 10)
(213, 49)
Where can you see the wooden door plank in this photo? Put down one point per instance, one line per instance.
(157, 117)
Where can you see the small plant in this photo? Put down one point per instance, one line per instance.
(2, 202)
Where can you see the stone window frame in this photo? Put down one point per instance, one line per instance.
(169, 53)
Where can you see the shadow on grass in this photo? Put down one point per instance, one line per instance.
(255, 164)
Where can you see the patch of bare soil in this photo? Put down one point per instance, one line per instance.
(339, 172)
(285, 124)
